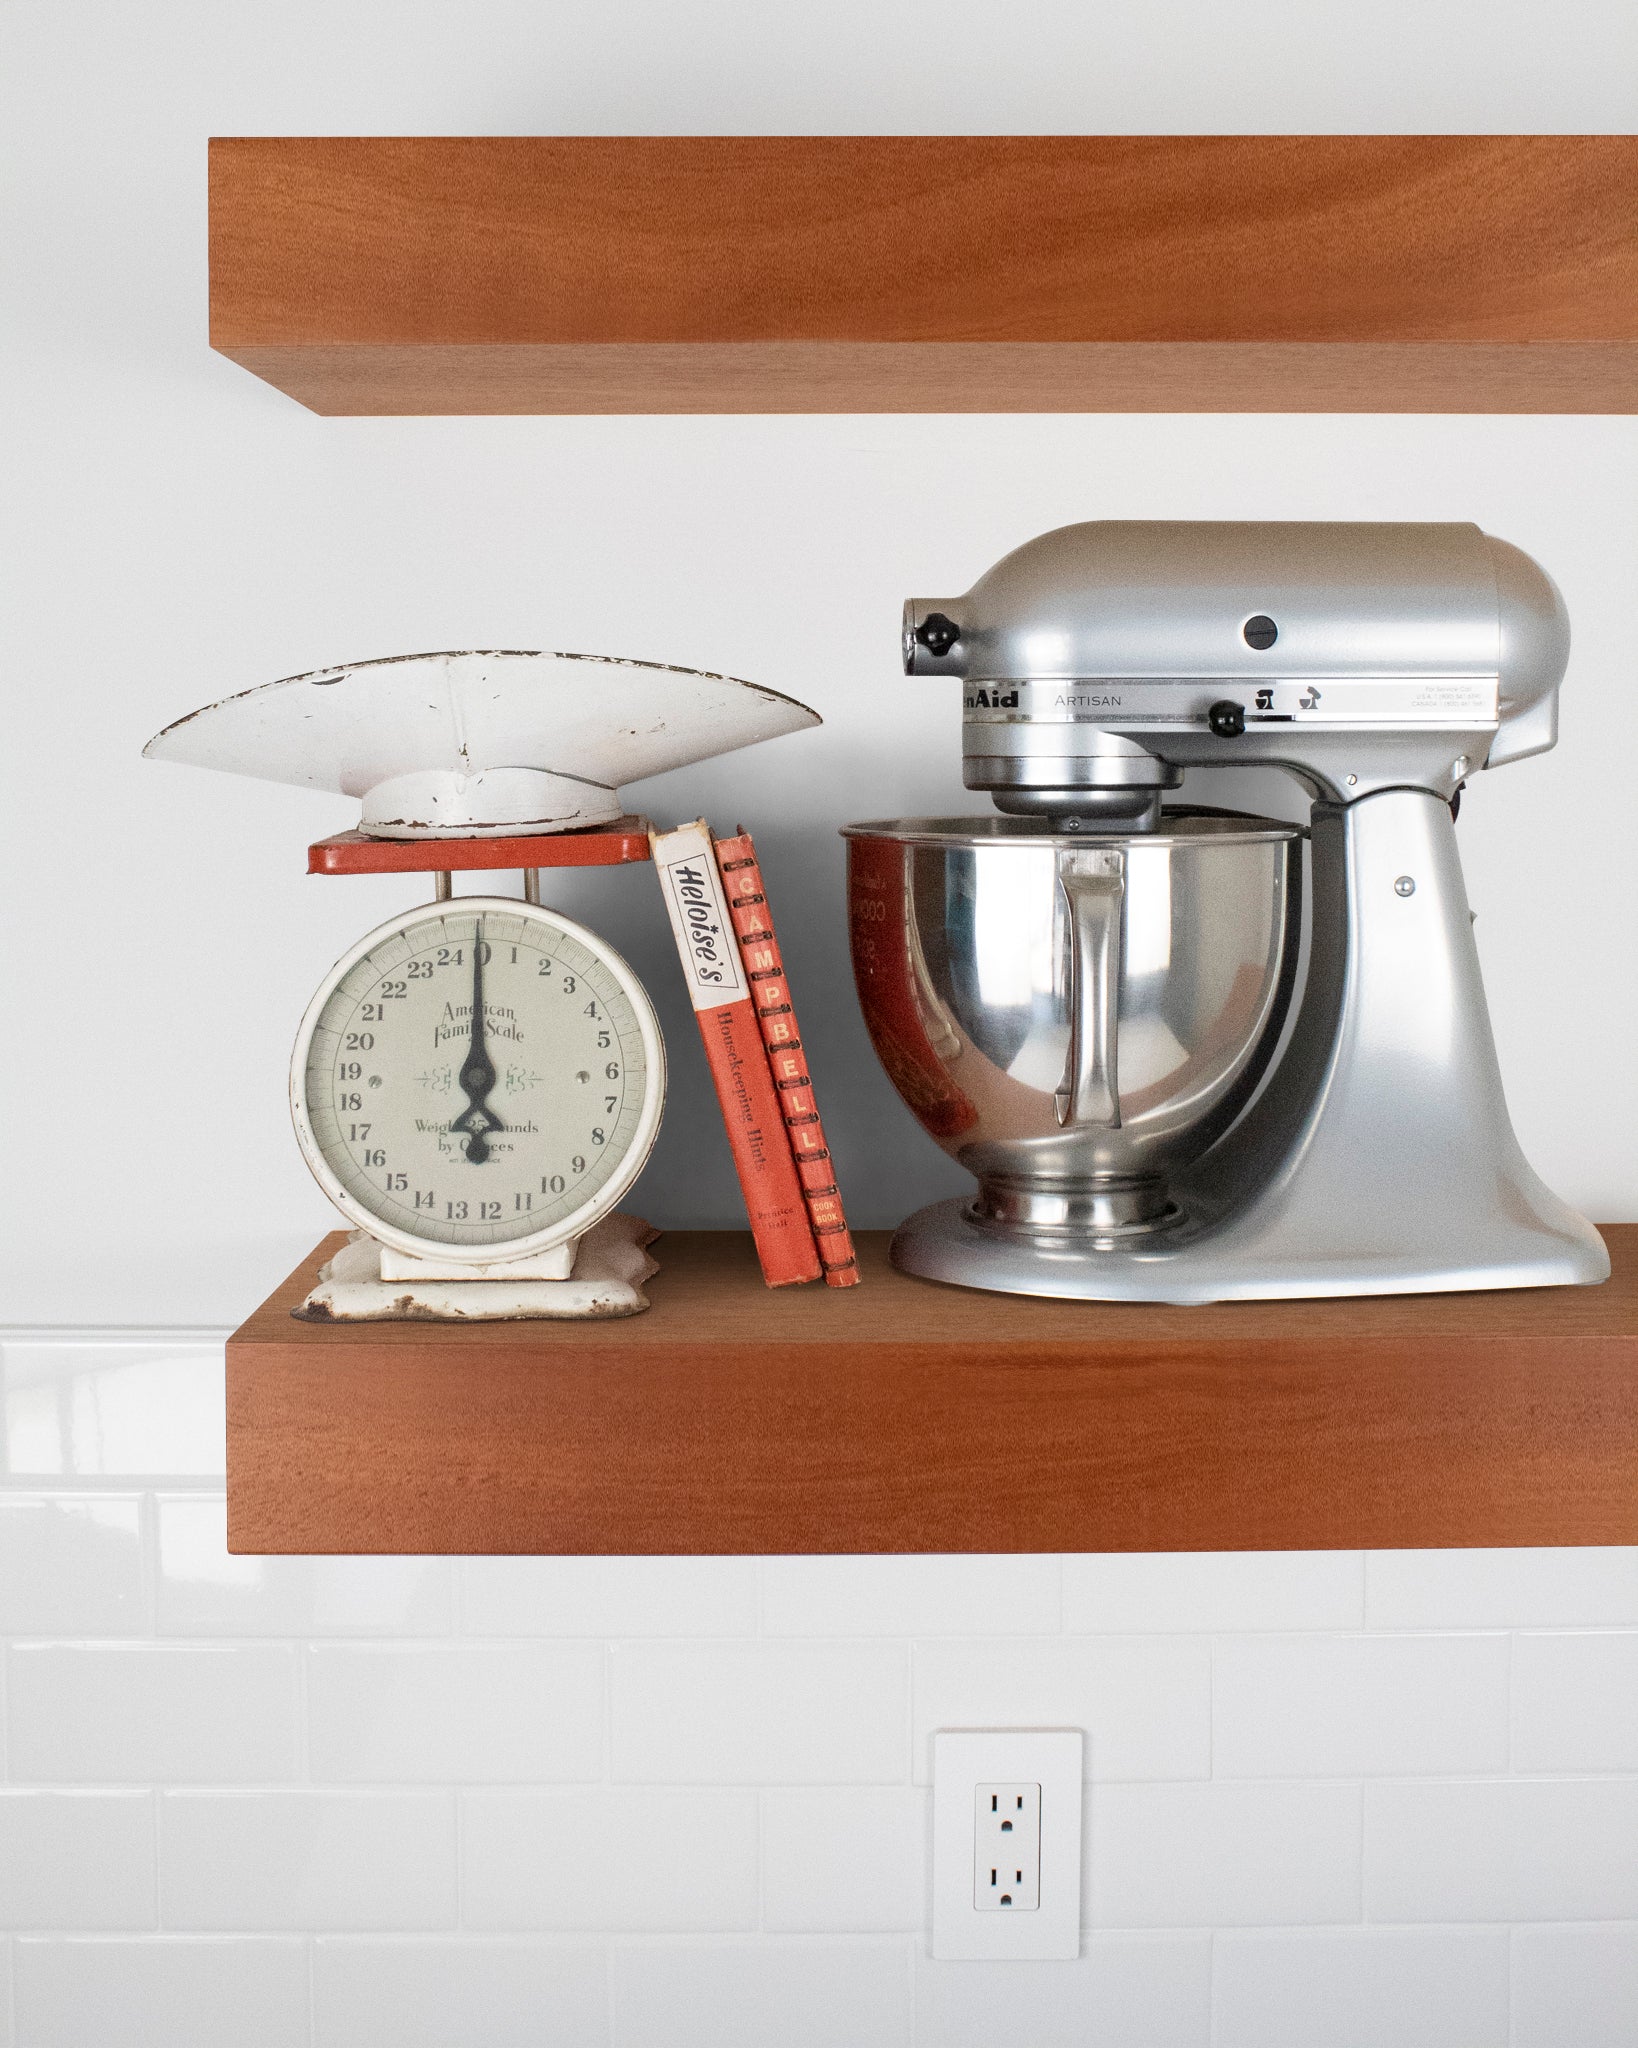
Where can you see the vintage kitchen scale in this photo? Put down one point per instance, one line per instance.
(478, 1082)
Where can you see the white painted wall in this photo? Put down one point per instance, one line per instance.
(175, 530)
(1375, 1803)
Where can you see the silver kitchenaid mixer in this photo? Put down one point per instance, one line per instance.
(1172, 1080)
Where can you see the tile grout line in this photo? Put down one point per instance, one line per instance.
(117, 1485)
(70, 1335)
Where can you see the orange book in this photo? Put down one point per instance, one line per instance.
(724, 1011)
(776, 1015)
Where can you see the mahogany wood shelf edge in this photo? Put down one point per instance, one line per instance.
(900, 1416)
(930, 273)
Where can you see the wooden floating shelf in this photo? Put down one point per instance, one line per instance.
(620, 274)
(901, 1416)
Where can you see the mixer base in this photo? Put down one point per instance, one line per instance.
(1216, 1263)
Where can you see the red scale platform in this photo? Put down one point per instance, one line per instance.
(602, 846)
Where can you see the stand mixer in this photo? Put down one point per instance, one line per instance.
(1172, 1078)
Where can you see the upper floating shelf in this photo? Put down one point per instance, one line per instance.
(551, 274)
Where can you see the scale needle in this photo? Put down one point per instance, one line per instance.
(477, 1077)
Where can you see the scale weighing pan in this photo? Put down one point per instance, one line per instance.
(480, 744)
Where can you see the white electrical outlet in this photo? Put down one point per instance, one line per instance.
(1007, 1843)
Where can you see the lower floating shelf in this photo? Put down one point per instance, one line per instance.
(901, 1416)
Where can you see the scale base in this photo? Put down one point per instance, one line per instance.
(557, 1264)
(610, 1266)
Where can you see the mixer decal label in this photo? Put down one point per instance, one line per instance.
(1185, 700)
(1434, 700)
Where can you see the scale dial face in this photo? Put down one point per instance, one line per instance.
(479, 1080)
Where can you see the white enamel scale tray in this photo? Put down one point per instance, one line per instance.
(480, 744)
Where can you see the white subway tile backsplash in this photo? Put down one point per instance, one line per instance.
(1335, 1798)
(1575, 1987)
(1224, 1855)
(454, 1713)
(1363, 1988)
(76, 1860)
(845, 1859)
(1349, 1706)
(1502, 1849)
(1207, 1592)
(820, 1994)
(458, 1994)
(758, 1713)
(1471, 1589)
(203, 1591)
(323, 1861)
(73, 1565)
(609, 1859)
(112, 1408)
(1126, 1991)
(608, 1596)
(910, 1596)
(1144, 1702)
(151, 1713)
(164, 1993)
(1575, 1702)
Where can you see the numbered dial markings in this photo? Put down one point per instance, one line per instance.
(479, 1075)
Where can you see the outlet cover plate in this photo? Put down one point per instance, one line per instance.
(964, 1759)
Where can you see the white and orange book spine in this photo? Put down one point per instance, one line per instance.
(724, 1010)
(776, 1015)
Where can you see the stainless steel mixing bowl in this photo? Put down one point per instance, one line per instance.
(1075, 1017)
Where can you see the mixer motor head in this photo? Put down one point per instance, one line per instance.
(1101, 660)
